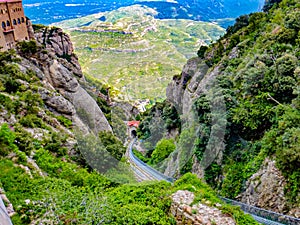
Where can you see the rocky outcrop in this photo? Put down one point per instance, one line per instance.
(265, 188)
(195, 80)
(59, 70)
(197, 214)
(60, 43)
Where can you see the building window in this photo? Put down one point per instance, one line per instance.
(23, 20)
(3, 25)
(14, 22)
(19, 21)
(7, 23)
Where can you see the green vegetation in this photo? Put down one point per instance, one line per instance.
(258, 60)
(112, 144)
(134, 52)
(58, 185)
(7, 139)
(162, 150)
(259, 75)
(28, 47)
(82, 197)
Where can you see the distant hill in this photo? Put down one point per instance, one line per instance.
(54, 11)
(136, 53)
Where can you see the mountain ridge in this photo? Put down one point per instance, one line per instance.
(49, 12)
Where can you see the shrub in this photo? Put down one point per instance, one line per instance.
(7, 138)
(32, 121)
(65, 121)
(28, 47)
(112, 144)
(202, 51)
(162, 150)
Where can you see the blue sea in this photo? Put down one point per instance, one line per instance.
(47, 12)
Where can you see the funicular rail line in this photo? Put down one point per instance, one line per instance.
(276, 218)
(4, 217)
(145, 172)
(142, 170)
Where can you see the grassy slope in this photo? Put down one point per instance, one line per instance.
(141, 62)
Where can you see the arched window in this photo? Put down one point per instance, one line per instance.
(7, 23)
(3, 25)
(14, 22)
(19, 21)
(23, 20)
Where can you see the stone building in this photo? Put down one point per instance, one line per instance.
(13, 23)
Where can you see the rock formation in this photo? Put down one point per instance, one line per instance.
(265, 188)
(59, 69)
(198, 214)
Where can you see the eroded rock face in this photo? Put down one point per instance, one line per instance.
(60, 43)
(177, 87)
(196, 79)
(60, 72)
(197, 214)
(61, 77)
(265, 189)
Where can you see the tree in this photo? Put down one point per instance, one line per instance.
(269, 4)
(163, 149)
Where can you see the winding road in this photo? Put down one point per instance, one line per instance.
(144, 172)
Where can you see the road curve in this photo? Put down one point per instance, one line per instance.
(144, 172)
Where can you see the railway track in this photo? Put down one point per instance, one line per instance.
(144, 172)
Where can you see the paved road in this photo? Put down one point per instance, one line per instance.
(145, 172)
(4, 217)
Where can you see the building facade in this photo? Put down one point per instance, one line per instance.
(13, 23)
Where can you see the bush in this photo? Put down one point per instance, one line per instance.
(202, 51)
(162, 150)
(7, 138)
(112, 144)
(66, 122)
(32, 121)
(28, 47)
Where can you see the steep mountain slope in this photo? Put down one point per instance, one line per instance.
(234, 112)
(52, 175)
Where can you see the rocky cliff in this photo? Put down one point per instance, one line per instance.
(58, 68)
(42, 103)
(198, 214)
